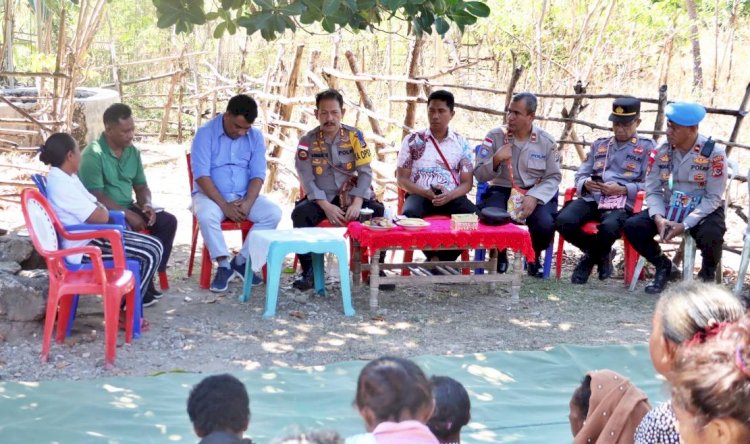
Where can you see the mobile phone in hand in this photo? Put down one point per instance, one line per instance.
(597, 178)
(436, 191)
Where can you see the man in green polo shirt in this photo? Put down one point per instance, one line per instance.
(111, 169)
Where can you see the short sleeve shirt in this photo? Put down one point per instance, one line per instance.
(418, 153)
(72, 203)
(102, 171)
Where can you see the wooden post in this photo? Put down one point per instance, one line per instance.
(412, 89)
(285, 113)
(168, 107)
(659, 122)
(575, 108)
(374, 124)
(312, 66)
(517, 71)
(179, 109)
(56, 82)
(738, 121)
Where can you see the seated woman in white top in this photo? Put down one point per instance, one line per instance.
(75, 205)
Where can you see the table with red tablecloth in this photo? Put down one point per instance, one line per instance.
(439, 236)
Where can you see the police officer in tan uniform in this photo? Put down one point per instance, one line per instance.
(535, 172)
(684, 192)
(331, 159)
(607, 183)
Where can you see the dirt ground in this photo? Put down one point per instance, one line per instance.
(197, 331)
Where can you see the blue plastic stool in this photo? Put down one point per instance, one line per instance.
(284, 242)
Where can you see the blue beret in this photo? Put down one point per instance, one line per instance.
(685, 113)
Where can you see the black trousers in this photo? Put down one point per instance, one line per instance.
(418, 206)
(164, 229)
(307, 213)
(577, 212)
(708, 234)
(541, 221)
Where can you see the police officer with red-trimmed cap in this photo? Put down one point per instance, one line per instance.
(607, 183)
(684, 193)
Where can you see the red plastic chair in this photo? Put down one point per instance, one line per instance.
(226, 225)
(112, 283)
(591, 228)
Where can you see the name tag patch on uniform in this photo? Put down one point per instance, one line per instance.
(638, 150)
(632, 157)
(631, 166)
(700, 160)
(343, 153)
(537, 156)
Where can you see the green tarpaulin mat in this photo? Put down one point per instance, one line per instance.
(517, 397)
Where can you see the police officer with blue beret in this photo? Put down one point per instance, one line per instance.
(684, 193)
(607, 183)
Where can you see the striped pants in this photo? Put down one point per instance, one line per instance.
(147, 250)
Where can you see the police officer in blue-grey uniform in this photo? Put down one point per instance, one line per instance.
(684, 193)
(330, 159)
(607, 183)
(534, 168)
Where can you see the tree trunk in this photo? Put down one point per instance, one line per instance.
(367, 103)
(6, 57)
(696, 45)
(412, 89)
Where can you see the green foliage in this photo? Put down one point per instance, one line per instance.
(271, 18)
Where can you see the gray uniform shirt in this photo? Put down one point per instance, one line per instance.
(536, 164)
(692, 174)
(315, 156)
(625, 164)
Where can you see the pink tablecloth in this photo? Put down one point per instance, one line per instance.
(439, 235)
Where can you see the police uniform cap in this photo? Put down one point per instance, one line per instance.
(685, 113)
(625, 109)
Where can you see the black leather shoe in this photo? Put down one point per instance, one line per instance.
(304, 281)
(502, 262)
(153, 291)
(535, 270)
(582, 271)
(661, 277)
(605, 266)
(707, 275)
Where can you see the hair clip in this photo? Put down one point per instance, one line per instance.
(740, 361)
(707, 333)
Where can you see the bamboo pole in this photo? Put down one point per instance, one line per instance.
(25, 114)
(367, 103)
(741, 112)
(411, 89)
(285, 111)
(659, 122)
(168, 106)
(575, 108)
